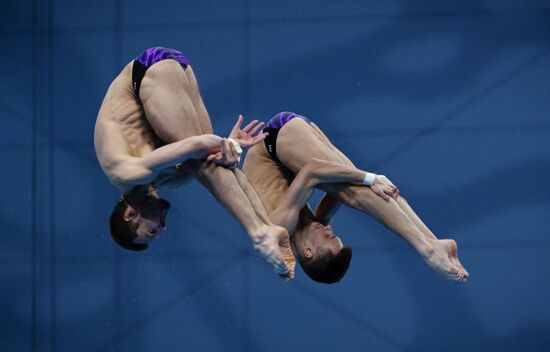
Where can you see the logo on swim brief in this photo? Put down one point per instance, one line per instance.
(135, 85)
(270, 148)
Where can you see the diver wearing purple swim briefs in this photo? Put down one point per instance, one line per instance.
(273, 126)
(150, 57)
(153, 118)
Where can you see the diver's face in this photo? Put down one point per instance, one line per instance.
(321, 236)
(149, 229)
(150, 219)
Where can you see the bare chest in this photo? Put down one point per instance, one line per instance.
(270, 180)
(122, 127)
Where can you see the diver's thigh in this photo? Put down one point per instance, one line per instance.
(202, 113)
(297, 143)
(324, 138)
(204, 119)
(166, 95)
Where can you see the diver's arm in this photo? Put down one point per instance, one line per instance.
(315, 172)
(326, 209)
(143, 170)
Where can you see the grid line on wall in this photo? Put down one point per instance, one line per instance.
(465, 246)
(299, 20)
(84, 148)
(51, 183)
(34, 176)
(117, 267)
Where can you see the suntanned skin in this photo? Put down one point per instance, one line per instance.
(140, 140)
(297, 144)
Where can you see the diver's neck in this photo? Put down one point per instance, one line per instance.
(306, 217)
(139, 194)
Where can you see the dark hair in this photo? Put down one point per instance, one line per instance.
(326, 267)
(122, 231)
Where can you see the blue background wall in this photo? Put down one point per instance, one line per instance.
(451, 101)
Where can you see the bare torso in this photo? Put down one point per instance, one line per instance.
(297, 143)
(122, 131)
(269, 179)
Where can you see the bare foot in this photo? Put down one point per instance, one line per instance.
(444, 260)
(273, 244)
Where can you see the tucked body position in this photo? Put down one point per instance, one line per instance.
(295, 158)
(153, 130)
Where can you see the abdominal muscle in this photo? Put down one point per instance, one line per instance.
(121, 129)
(270, 180)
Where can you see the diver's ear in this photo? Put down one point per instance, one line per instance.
(308, 252)
(130, 214)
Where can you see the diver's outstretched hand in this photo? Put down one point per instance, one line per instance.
(245, 137)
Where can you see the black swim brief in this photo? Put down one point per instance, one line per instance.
(150, 57)
(273, 126)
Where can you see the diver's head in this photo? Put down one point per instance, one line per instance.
(132, 227)
(321, 253)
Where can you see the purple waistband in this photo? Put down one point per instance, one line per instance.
(156, 54)
(281, 118)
